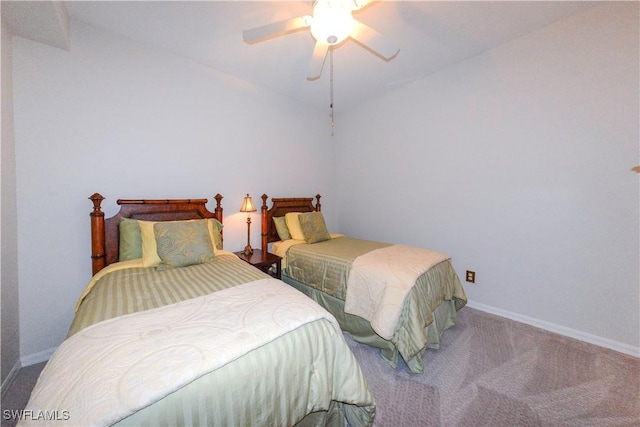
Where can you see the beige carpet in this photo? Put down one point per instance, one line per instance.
(492, 371)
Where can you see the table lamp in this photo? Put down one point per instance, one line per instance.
(247, 206)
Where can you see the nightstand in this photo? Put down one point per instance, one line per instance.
(263, 261)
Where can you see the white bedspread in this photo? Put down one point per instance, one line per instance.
(380, 280)
(114, 368)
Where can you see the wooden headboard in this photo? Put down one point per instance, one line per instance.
(105, 233)
(280, 207)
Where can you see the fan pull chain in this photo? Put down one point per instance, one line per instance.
(331, 87)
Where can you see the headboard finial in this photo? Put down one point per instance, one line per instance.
(97, 199)
(218, 198)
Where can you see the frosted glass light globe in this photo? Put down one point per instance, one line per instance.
(332, 22)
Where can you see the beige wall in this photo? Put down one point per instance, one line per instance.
(517, 163)
(8, 227)
(128, 121)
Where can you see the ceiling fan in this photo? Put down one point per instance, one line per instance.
(332, 23)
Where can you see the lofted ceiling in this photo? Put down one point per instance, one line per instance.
(431, 35)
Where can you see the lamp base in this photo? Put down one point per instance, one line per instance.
(248, 250)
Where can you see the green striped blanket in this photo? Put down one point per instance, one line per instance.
(135, 289)
(307, 376)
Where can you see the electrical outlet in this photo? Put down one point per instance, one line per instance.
(471, 276)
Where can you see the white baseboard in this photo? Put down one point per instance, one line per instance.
(39, 357)
(9, 380)
(561, 330)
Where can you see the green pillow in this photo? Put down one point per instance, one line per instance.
(281, 228)
(217, 232)
(183, 243)
(314, 227)
(130, 240)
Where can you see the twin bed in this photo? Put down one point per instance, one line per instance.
(401, 322)
(196, 337)
(174, 330)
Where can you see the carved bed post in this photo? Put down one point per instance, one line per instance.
(265, 228)
(318, 205)
(98, 253)
(218, 211)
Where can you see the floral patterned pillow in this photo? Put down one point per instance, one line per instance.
(314, 227)
(183, 243)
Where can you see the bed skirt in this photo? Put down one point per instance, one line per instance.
(359, 329)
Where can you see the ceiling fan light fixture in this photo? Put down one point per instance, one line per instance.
(332, 21)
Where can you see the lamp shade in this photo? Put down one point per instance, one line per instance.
(247, 205)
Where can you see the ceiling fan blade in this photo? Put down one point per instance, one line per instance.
(274, 29)
(374, 41)
(317, 61)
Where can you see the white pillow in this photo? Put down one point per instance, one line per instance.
(293, 224)
(150, 256)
